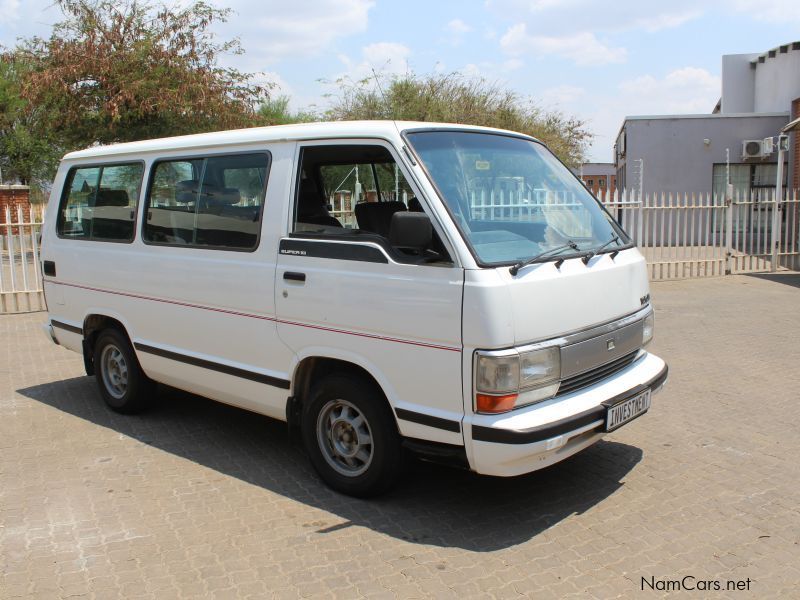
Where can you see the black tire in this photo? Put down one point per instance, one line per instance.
(334, 407)
(125, 388)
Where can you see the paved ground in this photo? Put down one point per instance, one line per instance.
(195, 499)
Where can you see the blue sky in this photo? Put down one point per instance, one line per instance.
(599, 61)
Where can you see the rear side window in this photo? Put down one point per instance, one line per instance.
(99, 203)
(207, 202)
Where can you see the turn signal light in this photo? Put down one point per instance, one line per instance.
(495, 404)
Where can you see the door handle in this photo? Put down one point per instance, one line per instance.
(49, 268)
(294, 276)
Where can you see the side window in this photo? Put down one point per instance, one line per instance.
(213, 202)
(100, 203)
(347, 190)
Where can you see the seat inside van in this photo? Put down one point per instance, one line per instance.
(112, 215)
(366, 187)
(311, 206)
(211, 201)
(377, 216)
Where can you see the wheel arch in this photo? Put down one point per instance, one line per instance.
(318, 363)
(94, 322)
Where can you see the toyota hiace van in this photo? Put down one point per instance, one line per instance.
(384, 287)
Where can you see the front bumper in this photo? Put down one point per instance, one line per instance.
(538, 436)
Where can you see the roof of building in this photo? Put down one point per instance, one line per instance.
(276, 133)
(706, 116)
(598, 168)
(784, 115)
(782, 49)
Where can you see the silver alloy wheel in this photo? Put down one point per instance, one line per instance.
(344, 436)
(115, 371)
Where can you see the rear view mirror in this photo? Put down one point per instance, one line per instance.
(412, 230)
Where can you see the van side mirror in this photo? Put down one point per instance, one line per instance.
(412, 230)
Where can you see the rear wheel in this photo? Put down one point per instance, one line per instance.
(121, 381)
(351, 437)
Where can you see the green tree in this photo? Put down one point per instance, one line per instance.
(275, 111)
(454, 98)
(130, 70)
(27, 152)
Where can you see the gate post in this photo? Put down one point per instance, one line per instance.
(728, 208)
(639, 216)
(776, 210)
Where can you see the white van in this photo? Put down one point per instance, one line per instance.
(385, 287)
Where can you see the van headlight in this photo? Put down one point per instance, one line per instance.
(509, 379)
(649, 328)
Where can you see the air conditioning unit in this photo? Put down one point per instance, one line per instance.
(752, 149)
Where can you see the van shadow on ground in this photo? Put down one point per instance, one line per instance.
(792, 279)
(433, 505)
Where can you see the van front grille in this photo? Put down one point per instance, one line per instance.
(582, 380)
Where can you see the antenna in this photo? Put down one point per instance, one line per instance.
(380, 89)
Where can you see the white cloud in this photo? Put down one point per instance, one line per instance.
(491, 70)
(9, 11)
(458, 27)
(684, 90)
(276, 29)
(471, 70)
(583, 48)
(770, 11)
(512, 64)
(455, 31)
(560, 95)
(687, 90)
(560, 17)
(660, 21)
(536, 6)
(583, 31)
(385, 58)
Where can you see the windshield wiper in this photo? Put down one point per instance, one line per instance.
(594, 253)
(524, 263)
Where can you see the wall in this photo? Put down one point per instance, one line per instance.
(794, 144)
(777, 79)
(738, 82)
(14, 196)
(593, 173)
(676, 159)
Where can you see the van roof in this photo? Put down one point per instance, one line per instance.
(275, 133)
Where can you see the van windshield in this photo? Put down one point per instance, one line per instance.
(512, 199)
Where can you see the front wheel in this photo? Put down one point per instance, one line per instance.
(351, 437)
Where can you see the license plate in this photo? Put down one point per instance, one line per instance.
(627, 410)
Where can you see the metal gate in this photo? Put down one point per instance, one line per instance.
(20, 275)
(702, 235)
(680, 235)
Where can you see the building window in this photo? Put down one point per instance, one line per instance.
(602, 182)
(746, 178)
(590, 182)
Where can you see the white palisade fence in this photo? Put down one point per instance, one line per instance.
(703, 235)
(680, 235)
(20, 267)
